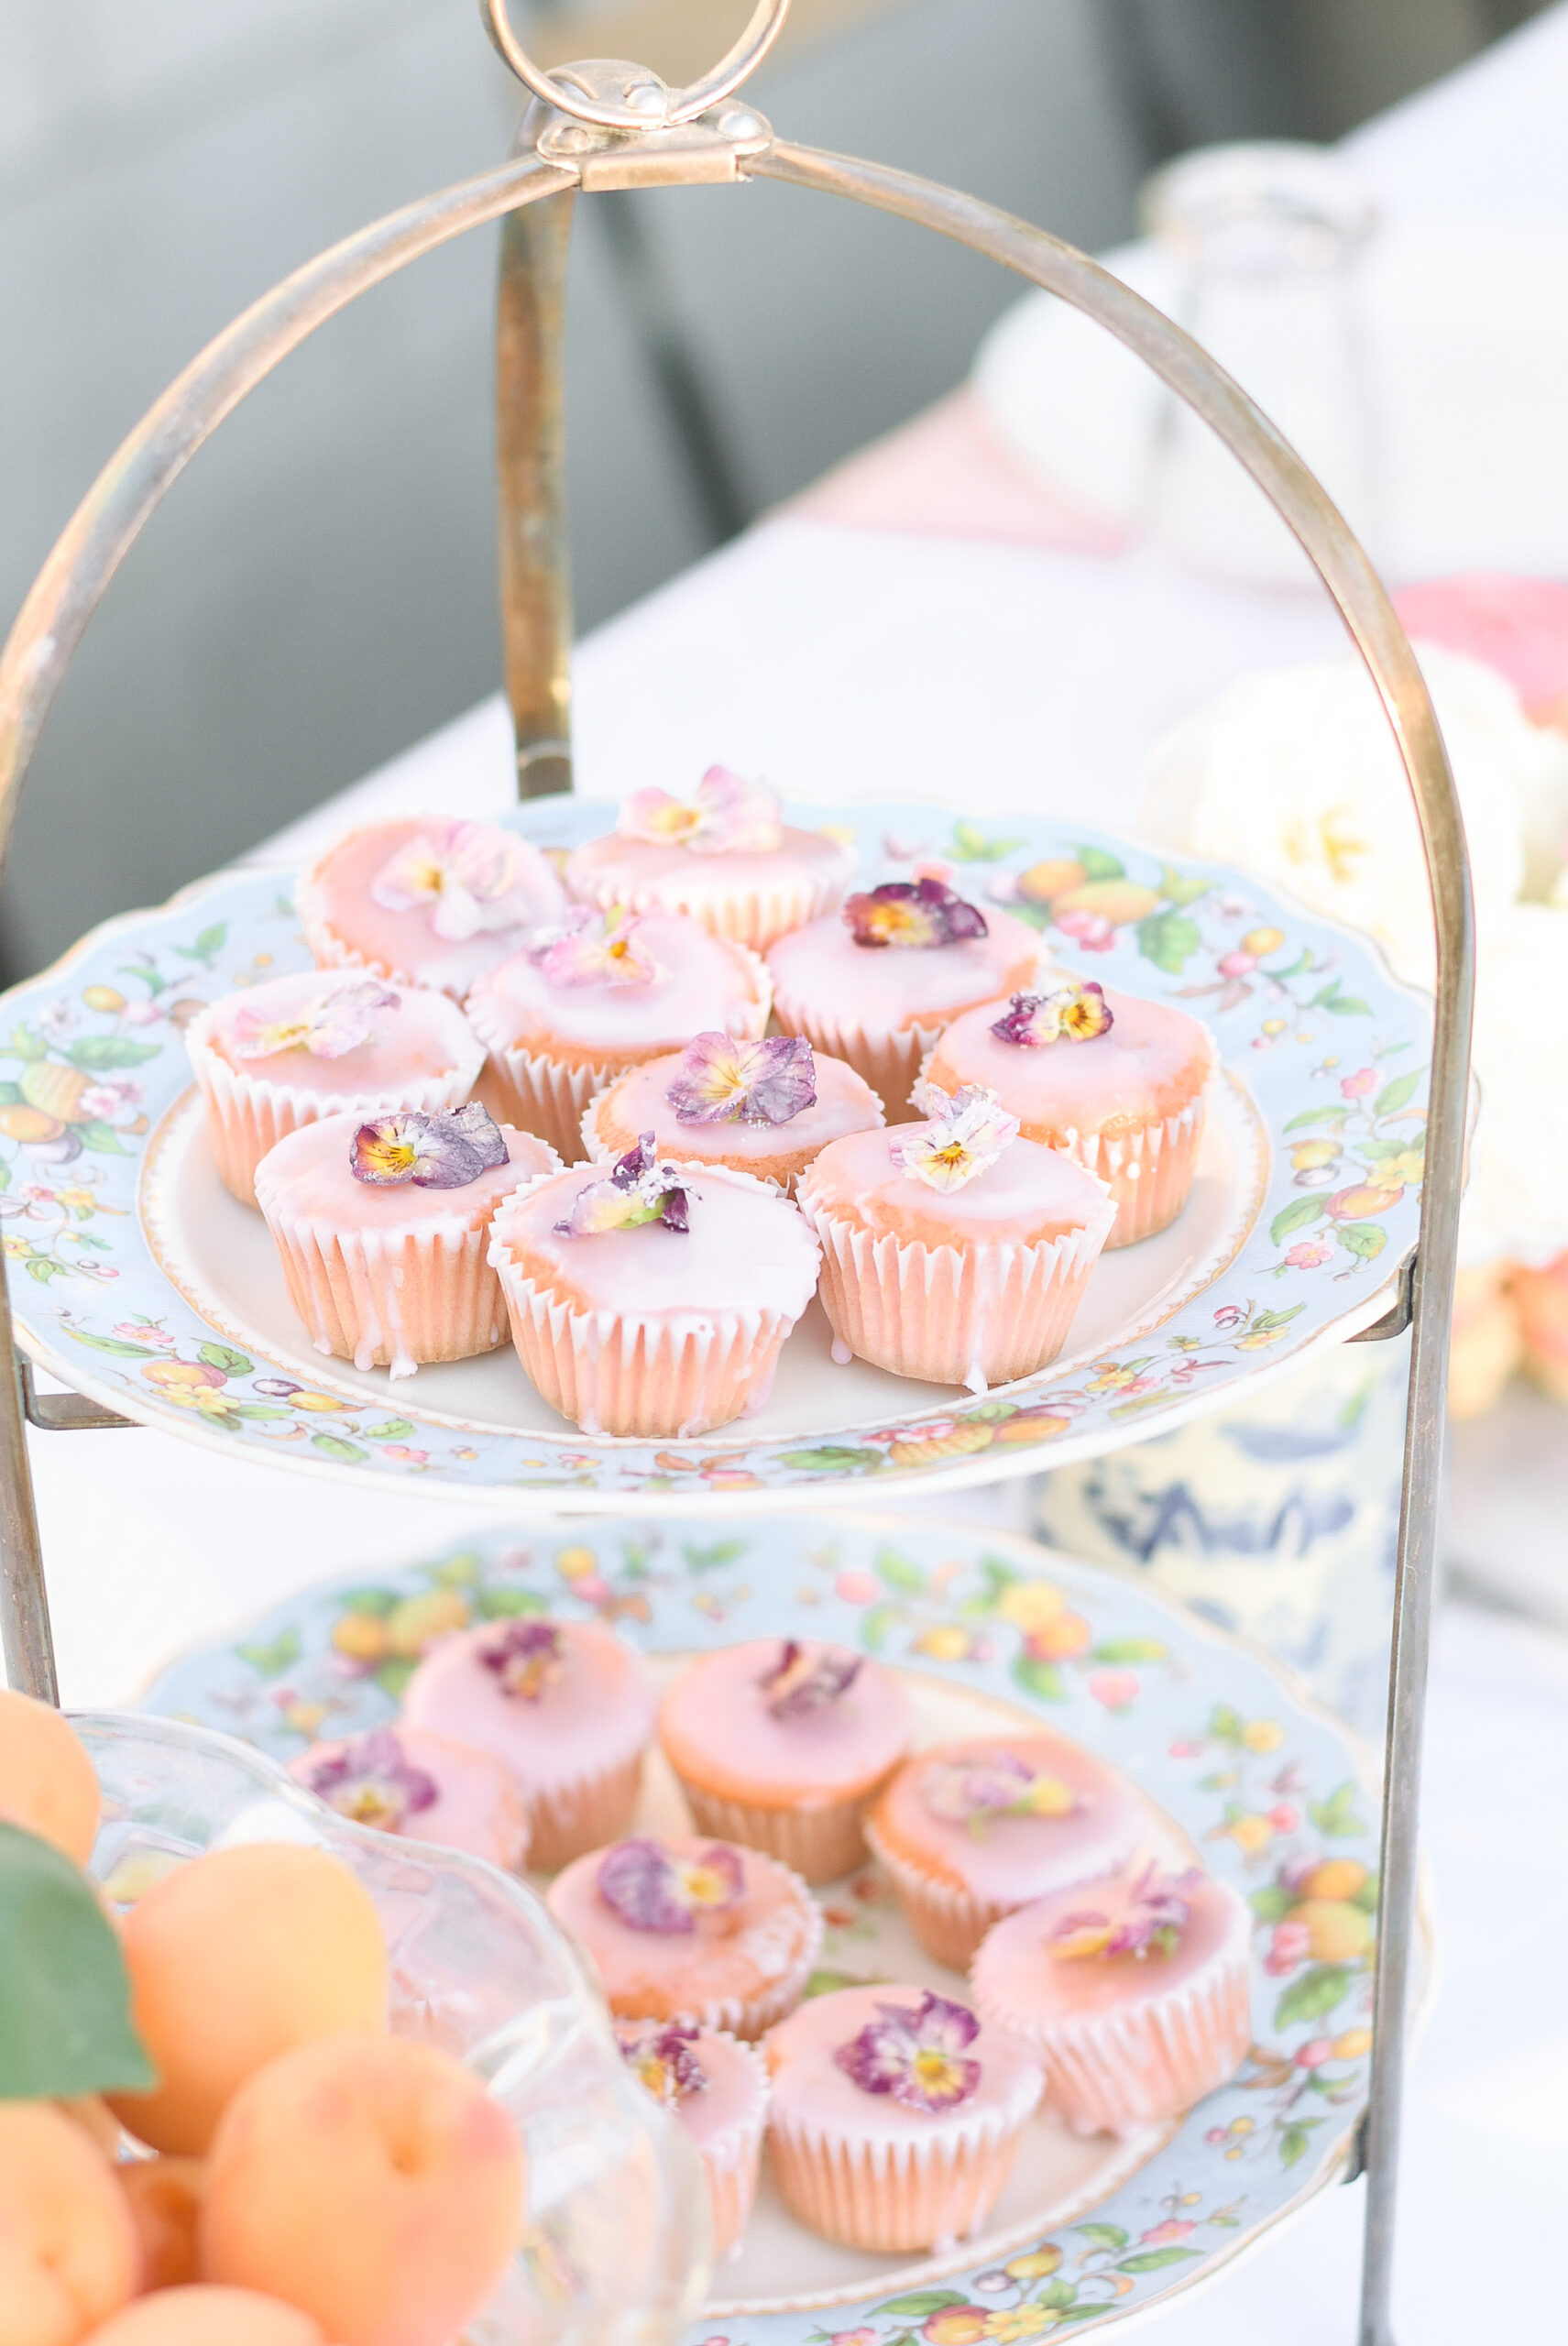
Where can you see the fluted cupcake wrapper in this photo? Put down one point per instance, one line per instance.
(923, 2192)
(328, 949)
(948, 1922)
(977, 1315)
(1112, 2072)
(730, 2158)
(249, 1114)
(890, 1063)
(750, 2017)
(566, 1820)
(604, 1139)
(818, 1844)
(754, 917)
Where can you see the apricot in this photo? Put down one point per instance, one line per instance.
(68, 2247)
(208, 2317)
(46, 1783)
(237, 1956)
(165, 2200)
(370, 2180)
(1336, 1932)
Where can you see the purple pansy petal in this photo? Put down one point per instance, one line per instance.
(446, 1151)
(659, 2056)
(914, 2053)
(723, 1081)
(371, 1781)
(921, 914)
(800, 1682)
(338, 1021)
(1077, 1014)
(964, 1138)
(464, 871)
(475, 1125)
(637, 1190)
(595, 948)
(651, 1890)
(525, 1656)
(725, 815)
(1158, 1911)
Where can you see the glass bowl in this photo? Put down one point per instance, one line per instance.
(615, 2248)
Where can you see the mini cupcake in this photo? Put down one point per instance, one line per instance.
(566, 1709)
(384, 1230)
(295, 1049)
(717, 2090)
(953, 1251)
(1133, 1993)
(895, 2116)
(422, 1787)
(724, 857)
(1119, 1083)
(972, 1830)
(877, 986)
(758, 1108)
(691, 1930)
(587, 1001)
(427, 901)
(781, 1746)
(653, 1301)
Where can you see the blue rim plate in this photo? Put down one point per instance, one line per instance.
(136, 1279)
(1260, 1781)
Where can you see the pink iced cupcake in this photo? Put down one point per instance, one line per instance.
(972, 1830)
(604, 992)
(566, 1709)
(781, 1746)
(724, 857)
(424, 1787)
(295, 1049)
(1133, 1993)
(953, 1251)
(717, 2090)
(653, 1300)
(427, 901)
(877, 986)
(1118, 1082)
(895, 2116)
(692, 1930)
(760, 1108)
(384, 1228)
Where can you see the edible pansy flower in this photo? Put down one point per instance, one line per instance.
(640, 1191)
(916, 2053)
(806, 1679)
(659, 2054)
(966, 1136)
(338, 1021)
(370, 1780)
(595, 948)
(723, 1081)
(976, 1791)
(464, 871)
(446, 1151)
(1157, 1914)
(1070, 1015)
(920, 913)
(650, 1889)
(525, 1656)
(725, 815)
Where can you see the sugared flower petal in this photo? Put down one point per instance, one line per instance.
(595, 948)
(1157, 1914)
(525, 1656)
(966, 1134)
(917, 2053)
(724, 816)
(659, 2056)
(370, 1780)
(806, 1679)
(1070, 1015)
(446, 1151)
(651, 1890)
(338, 1021)
(722, 1080)
(640, 1191)
(464, 871)
(920, 913)
(976, 1792)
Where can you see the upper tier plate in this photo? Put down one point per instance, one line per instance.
(154, 1292)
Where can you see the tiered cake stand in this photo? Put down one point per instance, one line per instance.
(611, 125)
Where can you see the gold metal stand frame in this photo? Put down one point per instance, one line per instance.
(607, 125)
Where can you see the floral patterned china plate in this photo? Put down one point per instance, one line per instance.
(135, 1277)
(1244, 1773)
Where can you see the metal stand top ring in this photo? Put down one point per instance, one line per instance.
(649, 105)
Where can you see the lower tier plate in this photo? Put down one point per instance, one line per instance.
(990, 1632)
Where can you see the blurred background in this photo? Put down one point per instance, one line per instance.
(320, 590)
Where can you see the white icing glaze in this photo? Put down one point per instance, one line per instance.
(346, 926)
(639, 1103)
(812, 2093)
(421, 1034)
(1151, 1061)
(706, 983)
(893, 987)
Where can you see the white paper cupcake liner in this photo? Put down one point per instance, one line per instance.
(929, 2191)
(730, 2158)
(568, 1819)
(819, 1844)
(890, 1063)
(247, 1115)
(750, 2017)
(782, 1173)
(948, 1922)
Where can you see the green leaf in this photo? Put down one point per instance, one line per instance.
(65, 2017)
(506, 1604)
(27, 1043)
(96, 1052)
(257, 1410)
(10, 1094)
(224, 1357)
(1058, 2296)
(1293, 2142)
(1225, 1724)
(1154, 2260)
(1038, 915)
(835, 1458)
(1316, 1116)
(111, 1344)
(922, 2302)
(335, 1446)
(1131, 1649)
(378, 1601)
(1366, 1896)
(876, 1624)
(714, 1558)
(970, 845)
(1336, 1816)
(212, 940)
(5, 1175)
(101, 1139)
(1269, 1319)
(1272, 1902)
(1349, 1005)
(1168, 941)
(1179, 889)
(1080, 2313)
(393, 1674)
(897, 1572)
(828, 1982)
(1316, 1992)
(394, 1429)
(1103, 2235)
(1296, 1215)
(1099, 863)
(1303, 961)
(1361, 1238)
(1041, 1678)
(272, 1661)
(43, 1267)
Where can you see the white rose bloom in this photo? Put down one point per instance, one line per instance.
(1516, 1204)
(1293, 775)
